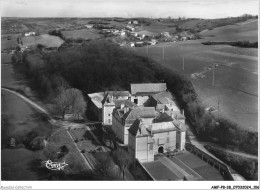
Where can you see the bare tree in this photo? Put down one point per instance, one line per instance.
(122, 159)
(71, 98)
(79, 106)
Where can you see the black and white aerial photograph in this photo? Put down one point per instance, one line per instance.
(153, 94)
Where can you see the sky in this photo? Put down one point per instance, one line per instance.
(128, 8)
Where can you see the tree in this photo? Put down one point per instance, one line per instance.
(37, 143)
(105, 164)
(122, 159)
(79, 106)
(71, 98)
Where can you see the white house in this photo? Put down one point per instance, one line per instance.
(29, 34)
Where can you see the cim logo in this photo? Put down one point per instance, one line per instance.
(54, 165)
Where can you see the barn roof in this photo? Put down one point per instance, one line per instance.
(148, 88)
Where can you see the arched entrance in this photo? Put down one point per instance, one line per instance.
(160, 149)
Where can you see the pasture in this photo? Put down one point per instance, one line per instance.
(16, 164)
(237, 32)
(235, 78)
(85, 34)
(10, 43)
(45, 39)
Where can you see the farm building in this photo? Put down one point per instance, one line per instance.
(29, 34)
(139, 44)
(147, 139)
(89, 26)
(142, 92)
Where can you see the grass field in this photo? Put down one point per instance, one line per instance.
(9, 44)
(6, 58)
(237, 32)
(22, 117)
(85, 34)
(240, 51)
(73, 158)
(16, 164)
(45, 39)
(236, 78)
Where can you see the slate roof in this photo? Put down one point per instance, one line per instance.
(148, 88)
(140, 112)
(118, 93)
(163, 97)
(138, 128)
(163, 117)
(96, 98)
(126, 102)
(108, 100)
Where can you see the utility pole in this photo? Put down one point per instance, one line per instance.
(213, 78)
(147, 48)
(218, 103)
(183, 62)
(163, 52)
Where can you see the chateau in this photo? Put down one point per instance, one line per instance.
(148, 120)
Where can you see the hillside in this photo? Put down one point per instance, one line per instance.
(238, 32)
(204, 24)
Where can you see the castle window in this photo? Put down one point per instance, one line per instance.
(168, 139)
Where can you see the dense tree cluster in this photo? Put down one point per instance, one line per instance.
(245, 44)
(248, 167)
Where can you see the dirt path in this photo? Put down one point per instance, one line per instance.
(84, 158)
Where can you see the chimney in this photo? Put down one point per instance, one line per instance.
(162, 110)
(122, 106)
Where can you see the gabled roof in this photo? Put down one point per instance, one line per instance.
(148, 88)
(125, 102)
(140, 129)
(162, 127)
(163, 97)
(163, 117)
(140, 112)
(118, 93)
(97, 98)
